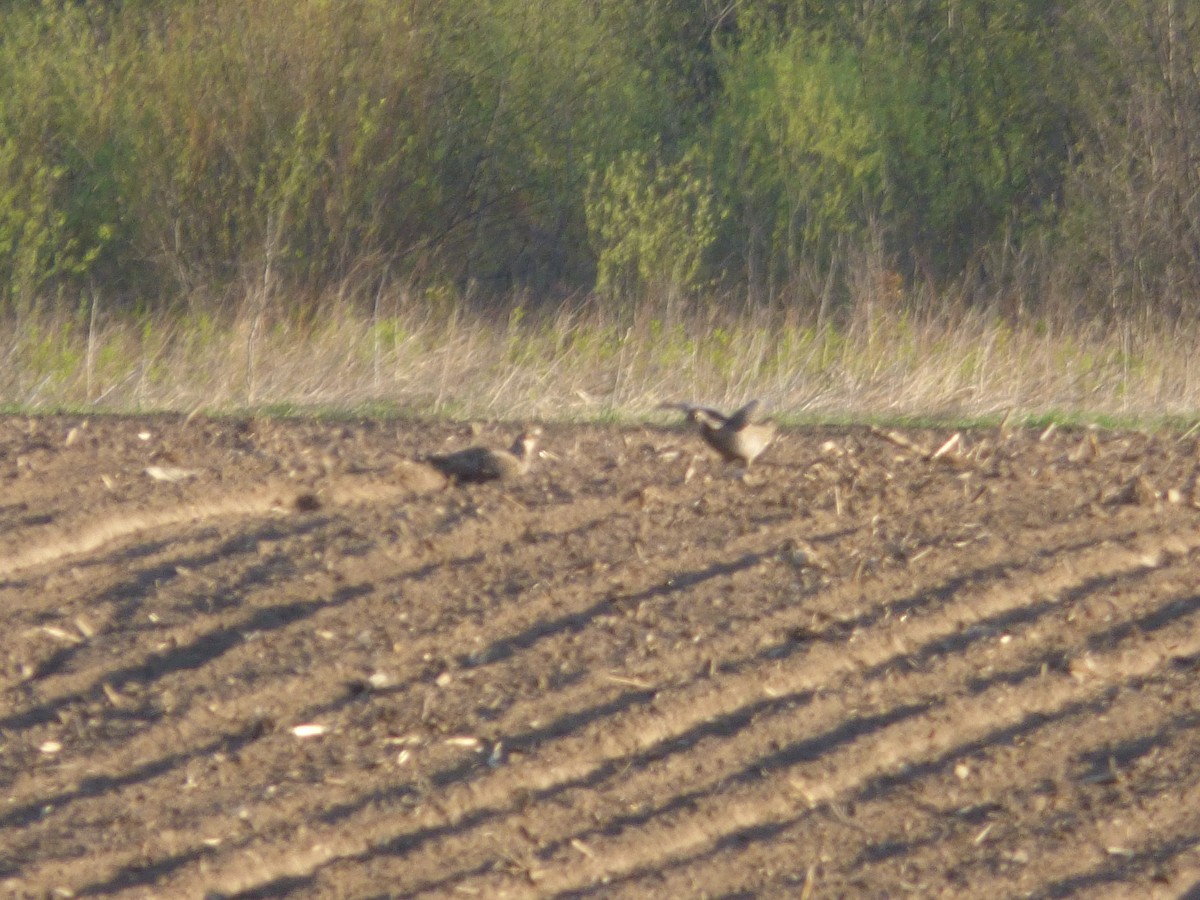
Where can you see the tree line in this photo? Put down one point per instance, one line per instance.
(980, 148)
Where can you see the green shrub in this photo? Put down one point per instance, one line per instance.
(797, 154)
(650, 222)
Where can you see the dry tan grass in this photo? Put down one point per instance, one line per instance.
(431, 356)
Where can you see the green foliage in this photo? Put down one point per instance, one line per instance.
(319, 136)
(390, 334)
(650, 223)
(59, 154)
(1130, 238)
(265, 139)
(31, 227)
(799, 158)
(160, 148)
(50, 352)
(970, 100)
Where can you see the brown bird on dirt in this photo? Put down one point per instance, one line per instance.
(734, 436)
(477, 464)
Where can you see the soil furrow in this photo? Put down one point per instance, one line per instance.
(615, 741)
(858, 668)
(905, 697)
(1005, 803)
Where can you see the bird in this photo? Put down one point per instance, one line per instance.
(735, 437)
(478, 464)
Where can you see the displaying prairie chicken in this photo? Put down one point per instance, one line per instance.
(735, 437)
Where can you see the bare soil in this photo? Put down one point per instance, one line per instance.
(274, 658)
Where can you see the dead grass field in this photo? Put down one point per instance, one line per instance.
(587, 362)
(865, 670)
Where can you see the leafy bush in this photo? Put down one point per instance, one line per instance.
(650, 223)
(797, 152)
(161, 150)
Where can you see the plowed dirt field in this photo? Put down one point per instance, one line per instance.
(264, 659)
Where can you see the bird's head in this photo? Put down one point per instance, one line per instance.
(526, 443)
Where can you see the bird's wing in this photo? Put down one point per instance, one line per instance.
(740, 419)
(470, 457)
(682, 407)
(715, 416)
